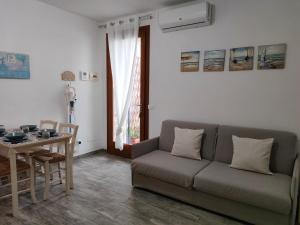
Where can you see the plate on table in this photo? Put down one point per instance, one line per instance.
(16, 141)
(15, 136)
(51, 135)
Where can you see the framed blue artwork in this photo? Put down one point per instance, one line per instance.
(14, 66)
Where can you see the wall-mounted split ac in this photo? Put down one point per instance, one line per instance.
(186, 16)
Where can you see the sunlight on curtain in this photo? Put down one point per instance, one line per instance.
(122, 38)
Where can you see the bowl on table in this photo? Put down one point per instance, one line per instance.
(52, 132)
(30, 127)
(2, 130)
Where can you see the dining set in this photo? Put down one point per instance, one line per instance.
(30, 151)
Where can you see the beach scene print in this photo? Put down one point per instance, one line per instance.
(214, 60)
(14, 66)
(190, 61)
(271, 56)
(241, 59)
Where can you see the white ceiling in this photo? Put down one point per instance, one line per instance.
(104, 10)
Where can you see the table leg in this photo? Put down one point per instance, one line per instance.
(14, 182)
(68, 166)
(47, 180)
(71, 170)
(32, 178)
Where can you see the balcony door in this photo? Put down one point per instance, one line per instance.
(138, 115)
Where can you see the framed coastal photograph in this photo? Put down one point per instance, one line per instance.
(214, 60)
(190, 61)
(271, 57)
(241, 59)
(14, 66)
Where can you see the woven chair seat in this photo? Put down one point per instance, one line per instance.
(5, 167)
(2, 158)
(51, 157)
(35, 151)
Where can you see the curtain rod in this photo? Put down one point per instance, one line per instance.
(141, 18)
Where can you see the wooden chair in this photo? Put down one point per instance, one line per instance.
(44, 124)
(22, 168)
(56, 158)
(48, 124)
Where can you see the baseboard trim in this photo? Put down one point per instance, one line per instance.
(89, 153)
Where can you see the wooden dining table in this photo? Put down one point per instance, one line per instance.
(12, 150)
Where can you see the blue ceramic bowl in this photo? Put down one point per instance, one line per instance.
(31, 127)
(51, 131)
(2, 130)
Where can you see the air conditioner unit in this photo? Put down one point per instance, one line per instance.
(186, 16)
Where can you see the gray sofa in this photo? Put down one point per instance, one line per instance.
(211, 184)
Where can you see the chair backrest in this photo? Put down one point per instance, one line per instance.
(71, 129)
(167, 136)
(51, 124)
(283, 152)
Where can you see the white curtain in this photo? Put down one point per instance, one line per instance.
(122, 39)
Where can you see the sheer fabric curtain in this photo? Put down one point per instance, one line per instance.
(122, 39)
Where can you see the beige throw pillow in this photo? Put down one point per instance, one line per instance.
(252, 154)
(187, 143)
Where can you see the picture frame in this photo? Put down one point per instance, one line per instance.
(14, 66)
(271, 56)
(241, 59)
(214, 60)
(190, 61)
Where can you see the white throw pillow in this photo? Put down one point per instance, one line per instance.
(187, 143)
(252, 154)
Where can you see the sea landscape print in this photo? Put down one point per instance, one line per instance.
(271, 56)
(190, 61)
(214, 60)
(14, 66)
(241, 58)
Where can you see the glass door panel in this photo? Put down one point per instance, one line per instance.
(132, 124)
(136, 126)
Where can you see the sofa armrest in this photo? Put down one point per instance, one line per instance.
(144, 147)
(295, 179)
(295, 189)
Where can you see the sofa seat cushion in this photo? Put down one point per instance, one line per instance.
(163, 166)
(259, 190)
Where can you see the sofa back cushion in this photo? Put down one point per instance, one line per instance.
(167, 136)
(283, 151)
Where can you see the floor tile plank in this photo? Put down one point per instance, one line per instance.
(103, 195)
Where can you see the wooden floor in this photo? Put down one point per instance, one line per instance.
(103, 196)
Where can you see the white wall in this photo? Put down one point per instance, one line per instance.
(263, 99)
(56, 41)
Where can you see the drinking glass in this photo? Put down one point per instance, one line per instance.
(46, 134)
(25, 129)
